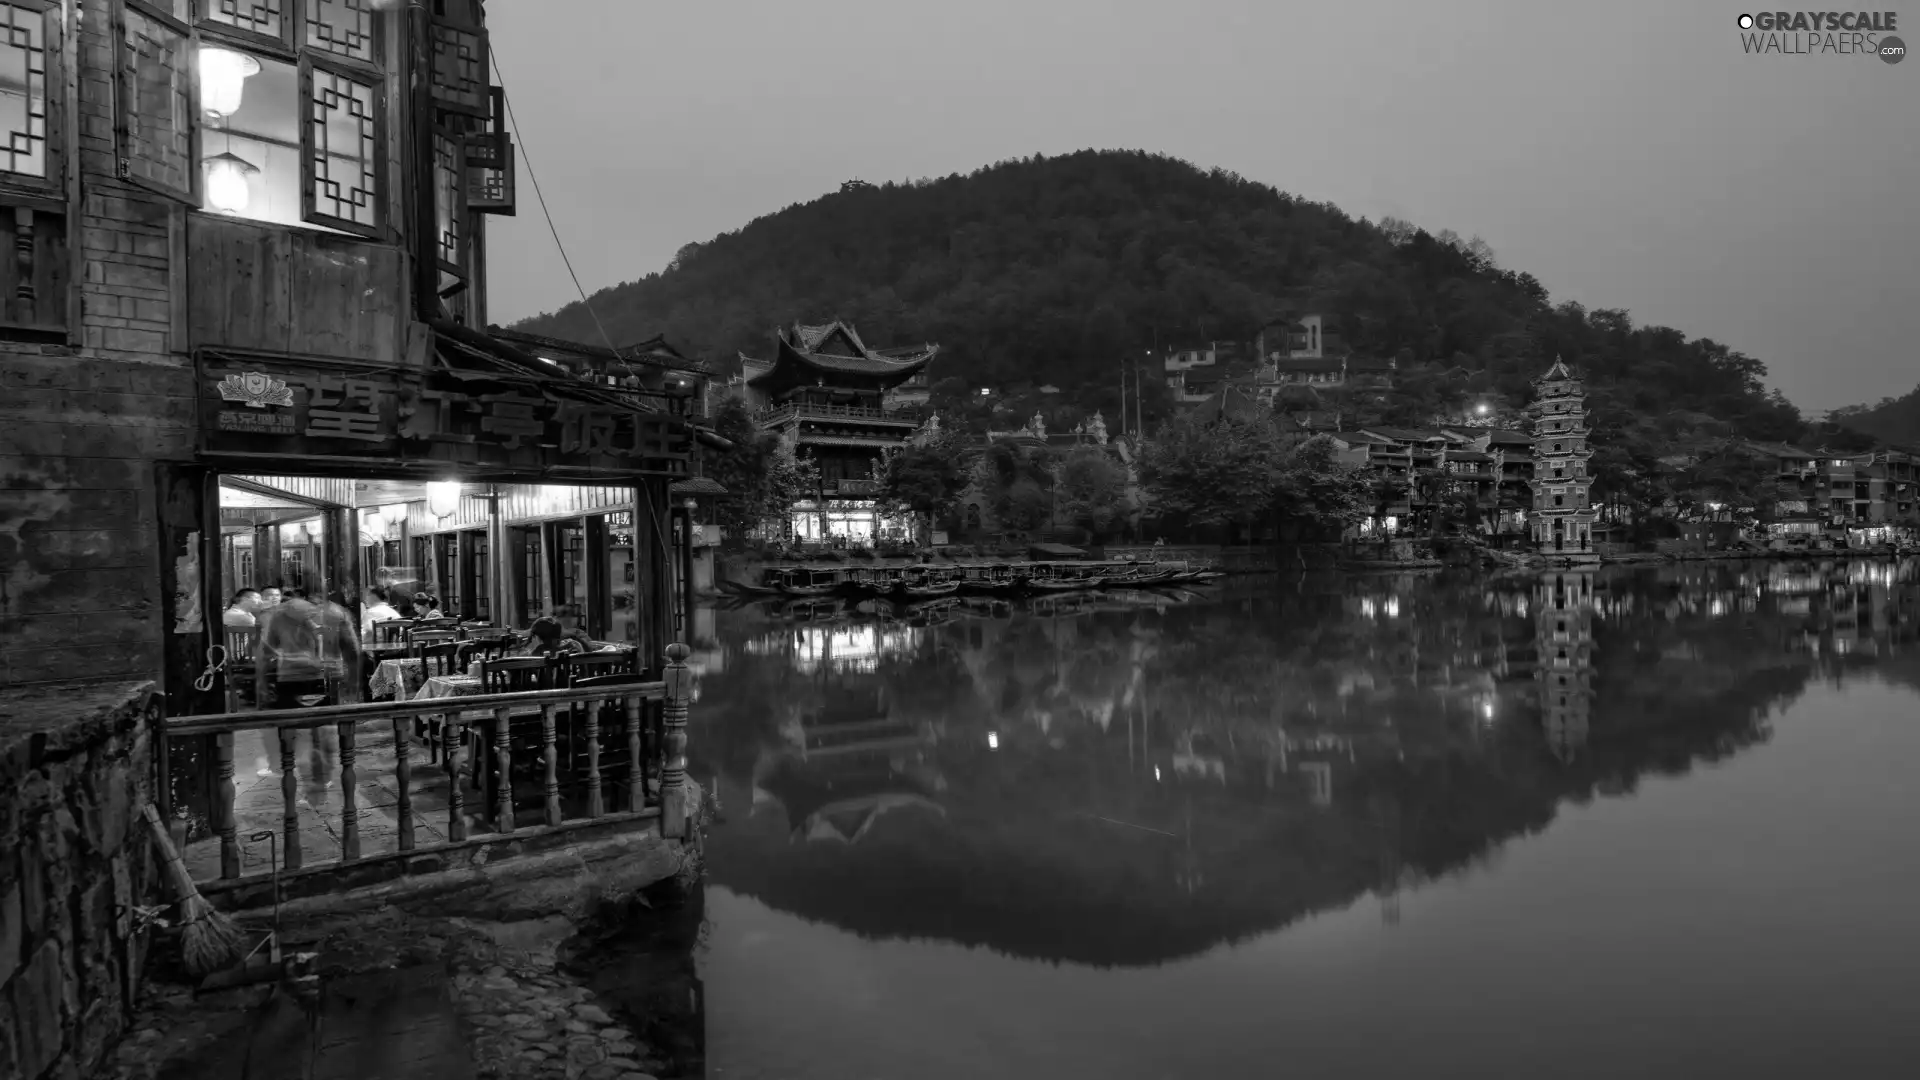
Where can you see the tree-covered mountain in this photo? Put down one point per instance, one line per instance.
(1051, 270)
(1891, 419)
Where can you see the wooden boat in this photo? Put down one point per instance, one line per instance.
(867, 582)
(923, 583)
(996, 579)
(1140, 577)
(801, 581)
(742, 589)
(1047, 578)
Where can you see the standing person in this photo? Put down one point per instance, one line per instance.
(290, 647)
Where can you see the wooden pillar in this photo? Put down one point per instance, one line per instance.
(499, 562)
(686, 572)
(187, 499)
(675, 817)
(599, 610)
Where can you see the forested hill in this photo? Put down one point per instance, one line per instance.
(1893, 420)
(1049, 270)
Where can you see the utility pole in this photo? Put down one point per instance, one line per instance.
(1123, 395)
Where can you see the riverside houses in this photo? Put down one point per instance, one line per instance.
(244, 345)
(833, 399)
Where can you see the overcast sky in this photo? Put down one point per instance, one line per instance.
(1628, 154)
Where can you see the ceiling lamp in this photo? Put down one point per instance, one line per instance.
(227, 188)
(443, 497)
(223, 79)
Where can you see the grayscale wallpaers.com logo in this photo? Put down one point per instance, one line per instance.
(1837, 33)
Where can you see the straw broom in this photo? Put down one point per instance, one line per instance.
(209, 941)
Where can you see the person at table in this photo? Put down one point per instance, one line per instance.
(240, 610)
(426, 606)
(547, 638)
(375, 609)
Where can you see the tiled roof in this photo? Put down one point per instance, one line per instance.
(1505, 437)
(1402, 434)
(796, 347)
(699, 485)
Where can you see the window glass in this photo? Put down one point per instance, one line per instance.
(252, 154)
(23, 91)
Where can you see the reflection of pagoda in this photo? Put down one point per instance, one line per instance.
(1563, 627)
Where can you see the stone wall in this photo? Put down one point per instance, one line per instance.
(76, 766)
(82, 423)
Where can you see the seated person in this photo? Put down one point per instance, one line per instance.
(426, 606)
(240, 611)
(375, 610)
(546, 638)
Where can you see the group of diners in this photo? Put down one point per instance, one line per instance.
(290, 647)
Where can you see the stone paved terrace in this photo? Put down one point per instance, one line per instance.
(259, 803)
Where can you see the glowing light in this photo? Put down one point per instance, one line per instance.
(1156, 772)
(1487, 710)
(223, 80)
(1483, 410)
(443, 497)
(993, 740)
(227, 187)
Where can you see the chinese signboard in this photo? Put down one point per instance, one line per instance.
(252, 406)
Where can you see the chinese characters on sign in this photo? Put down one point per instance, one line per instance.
(373, 410)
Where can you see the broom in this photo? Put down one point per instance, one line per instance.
(209, 941)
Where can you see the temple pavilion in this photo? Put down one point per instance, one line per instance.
(829, 397)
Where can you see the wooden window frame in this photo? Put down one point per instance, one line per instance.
(58, 53)
(290, 47)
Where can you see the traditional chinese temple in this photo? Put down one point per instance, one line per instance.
(830, 398)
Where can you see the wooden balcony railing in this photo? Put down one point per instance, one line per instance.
(363, 792)
(798, 410)
(851, 489)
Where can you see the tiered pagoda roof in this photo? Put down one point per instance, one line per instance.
(834, 355)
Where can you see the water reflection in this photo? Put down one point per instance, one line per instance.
(1128, 780)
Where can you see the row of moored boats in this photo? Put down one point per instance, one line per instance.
(997, 579)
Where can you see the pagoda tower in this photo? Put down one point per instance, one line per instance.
(1563, 634)
(1563, 514)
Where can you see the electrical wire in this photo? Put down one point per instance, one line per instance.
(526, 156)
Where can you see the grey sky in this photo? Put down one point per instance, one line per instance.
(1626, 153)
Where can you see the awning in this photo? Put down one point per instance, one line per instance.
(699, 485)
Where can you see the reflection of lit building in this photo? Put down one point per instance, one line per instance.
(1563, 626)
(843, 647)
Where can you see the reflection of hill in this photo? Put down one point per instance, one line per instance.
(1329, 744)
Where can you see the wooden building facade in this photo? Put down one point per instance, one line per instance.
(249, 300)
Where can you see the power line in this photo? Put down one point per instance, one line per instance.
(527, 157)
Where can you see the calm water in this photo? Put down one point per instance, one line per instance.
(1654, 823)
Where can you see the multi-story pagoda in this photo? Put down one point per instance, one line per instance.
(825, 392)
(1563, 513)
(1563, 633)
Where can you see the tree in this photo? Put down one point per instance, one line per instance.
(741, 470)
(1316, 491)
(1091, 492)
(926, 478)
(1198, 474)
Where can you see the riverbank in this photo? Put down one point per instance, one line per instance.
(448, 998)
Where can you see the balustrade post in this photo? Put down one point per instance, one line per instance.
(349, 799)
(503, 784)
(403, 779)
(636, 767)
(451, 743)
(289, 801)
(596, 803)
(223, 796)
(674, 818)
(552, 757)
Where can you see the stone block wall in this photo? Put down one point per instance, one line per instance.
(76, 766)
(81, 424)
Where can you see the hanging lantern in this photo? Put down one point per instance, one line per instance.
(443, 497)
(395, 514)
(228, 189)
(223, 80)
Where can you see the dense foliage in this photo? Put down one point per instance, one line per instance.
(1051, 270)
(1198, 474)
(761, 474)
(1893, 420)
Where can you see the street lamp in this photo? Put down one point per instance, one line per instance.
(228, 190)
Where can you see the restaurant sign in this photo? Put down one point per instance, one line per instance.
(255, 406)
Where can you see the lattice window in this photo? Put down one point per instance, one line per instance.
(343, 28)
(156, 122)
(460, 82)
(267, 18)
(343, 121)
(23, 91)
(449, 202)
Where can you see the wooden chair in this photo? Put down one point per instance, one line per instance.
(489, 649)
(442, 623)
(509, 675)
(588, 665)
(417, 637)
(246, 678)
(437, 657)
(391, 631)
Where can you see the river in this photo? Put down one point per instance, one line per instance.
(1634, 822)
